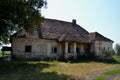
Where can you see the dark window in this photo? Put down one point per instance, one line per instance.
(68, 49)
(78, 50)
(28, 48)
(54, 50)
(104, 48)
(99, 48)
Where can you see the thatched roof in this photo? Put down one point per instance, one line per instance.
(63, 31)
(95, 36)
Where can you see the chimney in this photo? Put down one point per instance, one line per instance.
(74, 22)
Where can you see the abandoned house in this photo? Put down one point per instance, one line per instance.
(55, 39)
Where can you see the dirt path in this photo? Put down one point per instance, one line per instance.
(113, 77)
(92, 76)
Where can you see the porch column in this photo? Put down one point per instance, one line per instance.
(82, 49)
(66, 47)
(48, 49)
(74, 47)
(75, 54)
(60, 50)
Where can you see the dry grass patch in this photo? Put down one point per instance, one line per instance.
(78, 69)
(50, 70)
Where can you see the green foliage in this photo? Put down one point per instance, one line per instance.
(113, 52)
(0, 54)
(86, 56)
(117, 49)
(17, 14)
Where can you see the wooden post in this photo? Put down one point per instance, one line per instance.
(75, 48)
(66, 47)
(75, 54)
(48, 50)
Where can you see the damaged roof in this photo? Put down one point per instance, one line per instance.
(95, 36)
(65, 31)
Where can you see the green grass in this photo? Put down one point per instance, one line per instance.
(55, 70)
(49, 70)
(111, 72)
(100, 78)
(117, 58)
(31, 70)
(108, 73)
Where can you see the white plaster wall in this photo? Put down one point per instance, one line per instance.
(39, 47)
(101, 46)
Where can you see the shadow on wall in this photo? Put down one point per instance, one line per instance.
(24, 70)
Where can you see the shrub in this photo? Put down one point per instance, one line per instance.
(117, 49)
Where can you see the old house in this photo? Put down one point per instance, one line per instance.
(55, 39)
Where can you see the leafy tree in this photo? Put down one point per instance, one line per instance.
(113, 52)
(17, 14)
(117, 49)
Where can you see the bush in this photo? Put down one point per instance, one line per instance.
(117, 49)
(85, 56)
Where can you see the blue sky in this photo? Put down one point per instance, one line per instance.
(102, 16)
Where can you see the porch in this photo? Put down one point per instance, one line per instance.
(71, 50)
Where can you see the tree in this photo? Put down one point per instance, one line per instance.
(117, 49)
(17, 14)
(113, 52)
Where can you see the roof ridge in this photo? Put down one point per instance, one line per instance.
(58, 20)
(98, 35)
